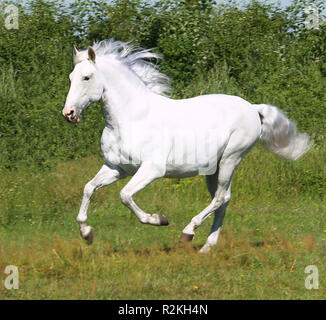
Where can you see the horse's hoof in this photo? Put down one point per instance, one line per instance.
(186, 238)
(163, 220)
(205, 249)
(88, 236)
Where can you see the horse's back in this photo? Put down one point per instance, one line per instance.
(220, 112)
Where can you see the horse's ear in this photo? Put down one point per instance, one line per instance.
(91, 54)
(75, 51)
(75, 55)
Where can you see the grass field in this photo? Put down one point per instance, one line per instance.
(275, 226)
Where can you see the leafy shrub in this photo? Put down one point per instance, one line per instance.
(258, 51)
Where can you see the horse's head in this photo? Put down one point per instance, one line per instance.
(86, 85)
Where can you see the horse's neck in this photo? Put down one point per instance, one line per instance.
(124, 95)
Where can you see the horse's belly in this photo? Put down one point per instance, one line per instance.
(187, 169)
(129, 168)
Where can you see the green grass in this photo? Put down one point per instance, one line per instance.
(275, 226)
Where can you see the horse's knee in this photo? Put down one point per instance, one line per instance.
(222, 196)
(125, 197)
(216, 203)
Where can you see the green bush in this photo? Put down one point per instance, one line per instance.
(258, 51)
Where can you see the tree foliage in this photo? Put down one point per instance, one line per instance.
(259, 51)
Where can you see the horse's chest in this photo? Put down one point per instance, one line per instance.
(118, 152)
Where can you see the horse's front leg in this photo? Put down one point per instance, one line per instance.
(146, 174)
(104, 177)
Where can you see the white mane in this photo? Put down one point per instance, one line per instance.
(133, 57)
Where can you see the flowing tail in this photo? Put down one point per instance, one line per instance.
(280, 134)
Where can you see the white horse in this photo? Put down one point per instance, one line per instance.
(148, 135)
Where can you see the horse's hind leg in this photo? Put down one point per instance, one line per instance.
(227, 166)
(218, 215)
(104, 177)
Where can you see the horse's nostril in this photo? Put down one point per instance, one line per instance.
(71, 113)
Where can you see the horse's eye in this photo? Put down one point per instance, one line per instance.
(85, 78)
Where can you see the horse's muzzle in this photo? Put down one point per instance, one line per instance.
(71, 115)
